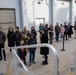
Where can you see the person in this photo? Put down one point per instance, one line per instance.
(2, 41)
(11, 37)
(70, 31)
(31, 41)
(44, 50)
(51, 33)
(66, 30)
(46, 29)
(75, 29)
(40, 27)
(57, 31)
(62, 30)
(24, 35)
(17, 36)
(33, 31)
(22, 52)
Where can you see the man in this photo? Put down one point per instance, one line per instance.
(66, 30)
(2, 41)
(17, 36)
(57, 31)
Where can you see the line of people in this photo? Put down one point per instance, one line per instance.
(17, 38)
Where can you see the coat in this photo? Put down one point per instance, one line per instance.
(35, 34)
(44, 50)
(17, 38)
(11, 39)
(2, 38)
(31, 42)
(21, 52)
(70, 31)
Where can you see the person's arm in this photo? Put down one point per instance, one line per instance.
(4, 38)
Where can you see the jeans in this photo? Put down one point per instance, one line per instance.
(3, 51)
(57, 36)
(32, 56)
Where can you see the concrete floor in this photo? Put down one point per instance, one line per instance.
(65, 60)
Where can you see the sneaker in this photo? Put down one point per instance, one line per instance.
(29, 64)
(34, 62)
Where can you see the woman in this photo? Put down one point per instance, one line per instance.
(44, 50)
(51, 33)
(62, 30)
(70, 31)
(11, 37)
(33, 31)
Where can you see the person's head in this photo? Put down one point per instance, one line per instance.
(25, 28)
(61, 25)
(65, 23)
(22, 42)
(32, 28)
(16, 29)
(57, 23)
(0, 29)
(10, 29)
(46, 25)
(69, 24)
(31, 36)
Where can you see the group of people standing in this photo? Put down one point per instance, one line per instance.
(25, 37)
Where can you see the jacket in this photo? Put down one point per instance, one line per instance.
(11, 39)
(2, 37)
(44, 50)
(31, 42)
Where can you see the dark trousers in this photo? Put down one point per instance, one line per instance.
(46, 57)
(57, 36)
(69, 35)
(65, 35)
(32, 56)
(51, 38)
(2, 52)
(23, 58)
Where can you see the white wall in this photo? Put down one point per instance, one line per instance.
(12, 4)
(61, 12)
(35, 10)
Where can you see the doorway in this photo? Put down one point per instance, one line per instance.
(38, 21)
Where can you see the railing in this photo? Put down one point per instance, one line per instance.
(56, 72)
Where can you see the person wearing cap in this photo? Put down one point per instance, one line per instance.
(2, 41)
(31, 41)
(44, 50)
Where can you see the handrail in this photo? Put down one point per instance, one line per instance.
(41, 45)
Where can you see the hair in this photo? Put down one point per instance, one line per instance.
(9, 29)
(17, 27)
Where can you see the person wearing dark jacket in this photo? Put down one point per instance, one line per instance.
(66, 30)
(31, 41)
(22, 52)
(33, 31)
(70, 31)
(2, 41)
(11, 37)
(75, 30)
(17, 36)
(44, 50)
(57, 31)
(51, 33)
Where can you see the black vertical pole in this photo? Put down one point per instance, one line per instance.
(63, 45)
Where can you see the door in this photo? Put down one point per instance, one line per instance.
(7, 19)
(38, 21)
